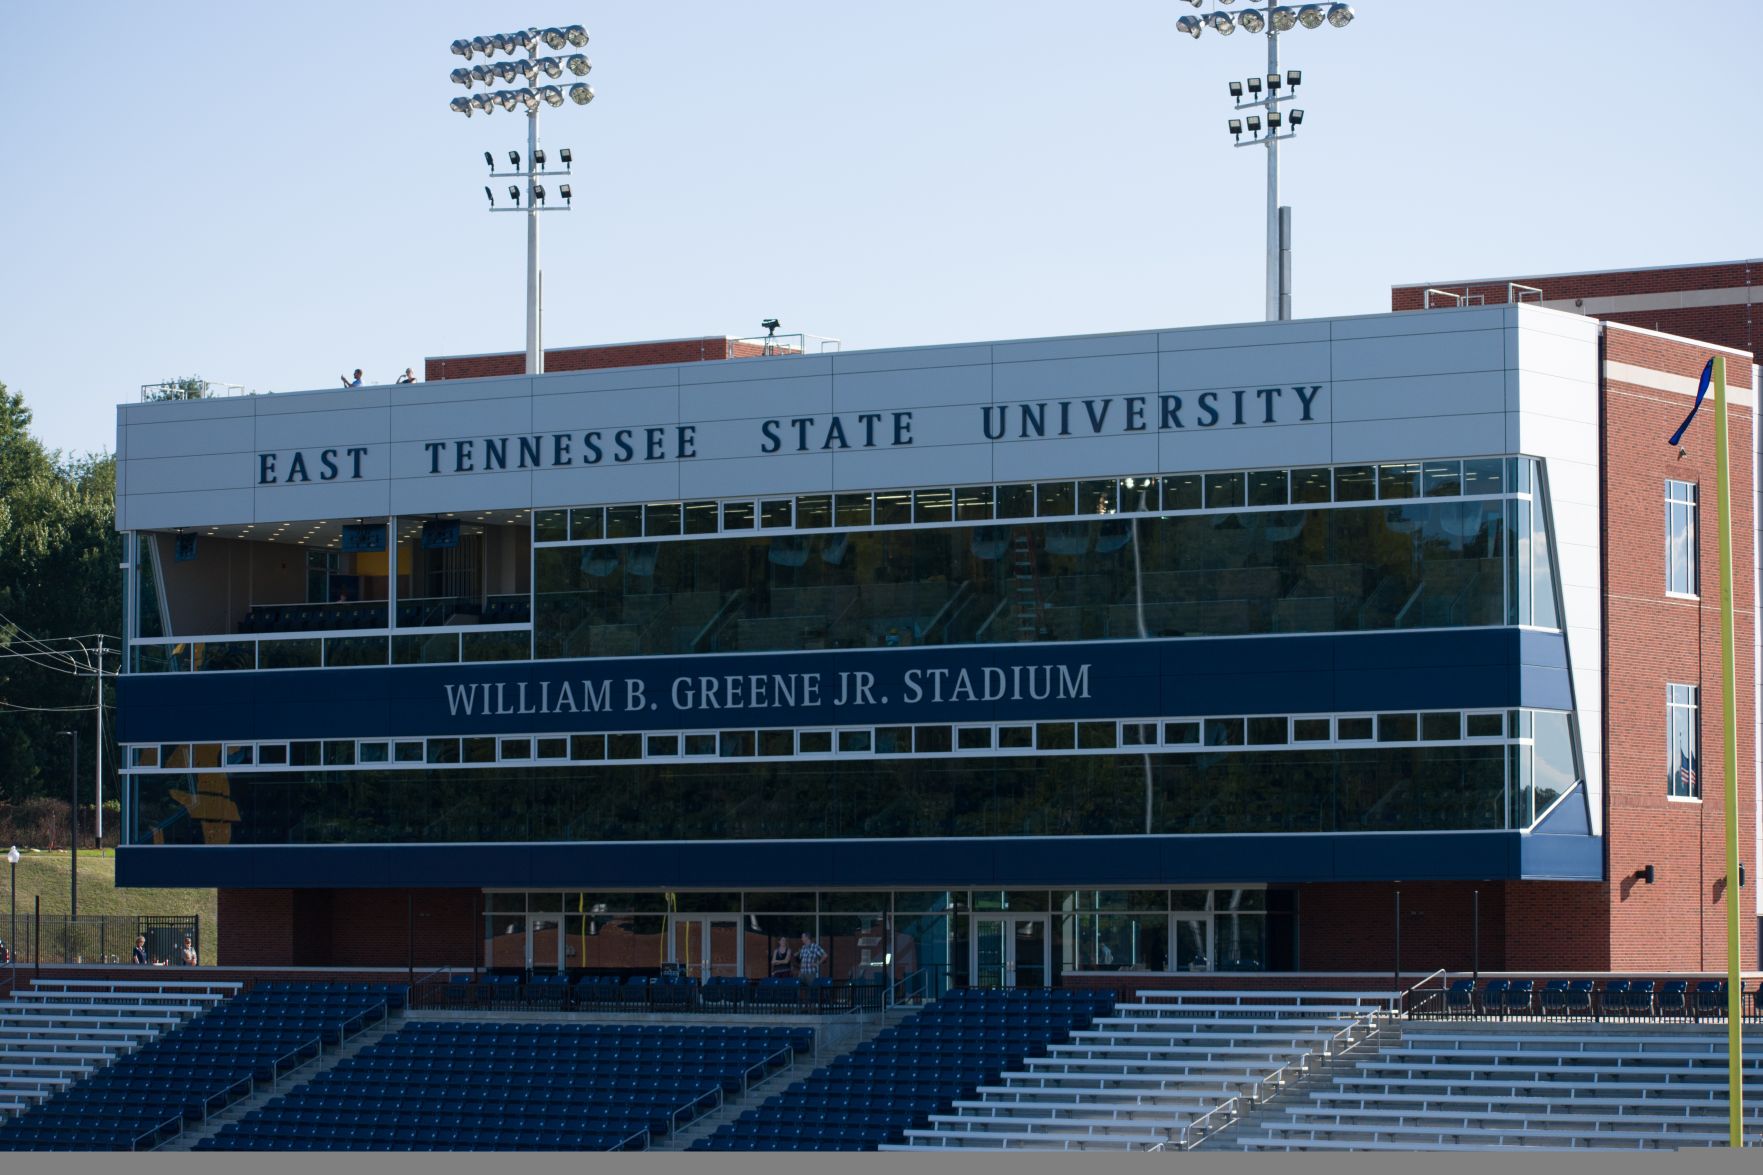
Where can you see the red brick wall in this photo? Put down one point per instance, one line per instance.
(259, 927)
(1729, 326)
(357, 927)
(592, 358)
(1557, 926)
(1680, 921)
(1352, 927)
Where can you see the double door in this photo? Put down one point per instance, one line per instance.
(1012, 950)
(704, 946)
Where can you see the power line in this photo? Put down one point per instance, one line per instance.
(43, 646)
(14, 708)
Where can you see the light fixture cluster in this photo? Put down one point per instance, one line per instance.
(1281, 17)
(1250, 94)
(530, 69)
(538, 199)
(532, 95)
(538, 161)
(528, 39)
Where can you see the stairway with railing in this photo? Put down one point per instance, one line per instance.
(1162, 1072)
(55, 1033)
(1562, 1085)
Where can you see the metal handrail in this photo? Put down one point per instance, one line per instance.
(275, 1066)
(897, 990)
(153, 1135)
(787, 1053)
(1182, 1140)
(1438, 973)
(642, 1134)
(1187, 1139)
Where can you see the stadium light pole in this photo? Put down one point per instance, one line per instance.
(12, 921)
(532, 96)
(1273, 19)
(73, 822)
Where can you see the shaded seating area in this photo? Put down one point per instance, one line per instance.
(372, 614)
(722, 994)
(1662, 999)
(145, 1097)
(911, 1071)
(272, 618)
(529, 1087)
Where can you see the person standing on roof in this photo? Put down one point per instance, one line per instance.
(354, 382)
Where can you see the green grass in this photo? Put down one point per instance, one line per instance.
(45, 875)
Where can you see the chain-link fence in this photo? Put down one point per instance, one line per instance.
(104, 938)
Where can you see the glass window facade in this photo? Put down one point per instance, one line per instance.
(923, 943)
(1399, 545)
(1683, 750)
(1422, 564)
(1375, 788)
(1680, 538)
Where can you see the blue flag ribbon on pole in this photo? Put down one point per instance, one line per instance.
(1701, 394)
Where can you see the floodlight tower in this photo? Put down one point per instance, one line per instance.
(531, 96)
(1274, 19)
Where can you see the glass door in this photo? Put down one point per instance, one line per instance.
(1011, 950)
(988, 952)
(544, 942)
(705, 947)
(1193, 943)
(1028, 951)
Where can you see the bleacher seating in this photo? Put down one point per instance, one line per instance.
(1144, 1075)
(515, 991)
(1543, 1085)
(56, 1033)
(452, 1085)
(911, 1071)
(346, 615)
(196, 1069)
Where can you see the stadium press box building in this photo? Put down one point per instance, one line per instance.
(1003, 663)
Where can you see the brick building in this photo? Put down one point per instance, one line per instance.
(1008, 663)
(1662, 324)
(609, 355)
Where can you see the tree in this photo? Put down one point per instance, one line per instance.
(189, 387)
(59, 551)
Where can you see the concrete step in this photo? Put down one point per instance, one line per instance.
(265, 1093)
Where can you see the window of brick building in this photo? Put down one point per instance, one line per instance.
(1680, 538)
(1683, 751)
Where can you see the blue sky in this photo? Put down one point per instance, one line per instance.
(274, 194)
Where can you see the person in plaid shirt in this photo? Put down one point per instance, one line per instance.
(809, 958)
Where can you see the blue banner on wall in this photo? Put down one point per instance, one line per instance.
(1346, 672)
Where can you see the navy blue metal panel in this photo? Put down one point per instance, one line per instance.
(1562, 858)
(1570, 817)
(1546, 649)
(1444, 669)
(1087, 862)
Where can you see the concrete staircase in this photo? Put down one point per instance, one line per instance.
(195, 1132)
(1159, 1073)
(824, 1054)
(1516, 1085)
